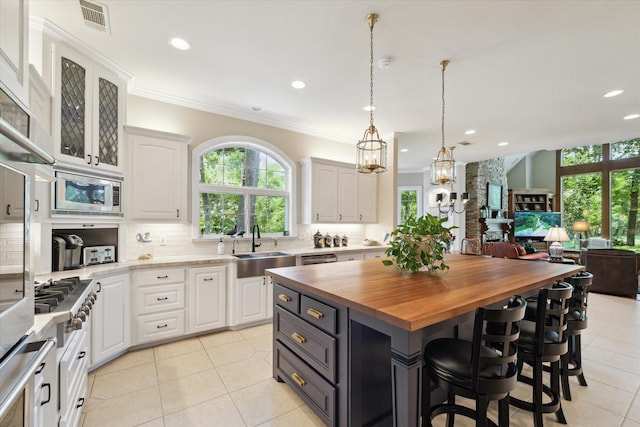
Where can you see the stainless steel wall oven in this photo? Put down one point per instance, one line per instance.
(20, 358)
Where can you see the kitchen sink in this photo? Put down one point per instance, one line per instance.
(254, 263)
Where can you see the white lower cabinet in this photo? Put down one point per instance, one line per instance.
(111, 318)
(350, 256)
(375, 254)
(207, 298)
(253, 296)
(159, 303)
(45, 400)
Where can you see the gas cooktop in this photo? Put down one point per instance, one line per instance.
(59, 295)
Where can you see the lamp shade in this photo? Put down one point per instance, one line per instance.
(556, 234)
(580, 226)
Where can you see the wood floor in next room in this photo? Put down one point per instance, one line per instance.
(224, 379)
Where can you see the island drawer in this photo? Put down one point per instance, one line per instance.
(318, 314)
(286, 298)
(319, 395)
(151, 299)
(317, 348)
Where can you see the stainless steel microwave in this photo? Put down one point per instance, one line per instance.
(81, 194)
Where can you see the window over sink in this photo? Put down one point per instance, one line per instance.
(241, 183)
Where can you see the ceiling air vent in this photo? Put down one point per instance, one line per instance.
(95, 16)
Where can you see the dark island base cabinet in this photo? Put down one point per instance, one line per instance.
(310, 351)
(343, 364)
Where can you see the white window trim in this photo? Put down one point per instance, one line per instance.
(247, 142)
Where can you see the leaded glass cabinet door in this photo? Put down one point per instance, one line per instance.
(73, 108)
(91, 113)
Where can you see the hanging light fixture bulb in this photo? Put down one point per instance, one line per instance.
(443, 168)
(371, 151)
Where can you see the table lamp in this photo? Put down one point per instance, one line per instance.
(556, 235)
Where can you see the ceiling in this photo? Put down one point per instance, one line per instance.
(531, 73)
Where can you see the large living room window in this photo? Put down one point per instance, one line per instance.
(241, 184)
(600, 184)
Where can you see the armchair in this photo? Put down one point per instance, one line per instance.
(615, 271)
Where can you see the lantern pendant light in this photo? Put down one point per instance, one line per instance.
(371, 151)
(443, 168)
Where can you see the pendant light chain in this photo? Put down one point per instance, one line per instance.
(371, 24)
(443, 65)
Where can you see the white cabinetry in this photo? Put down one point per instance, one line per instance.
(45, 402)
(12, 196)
(159, 296)
(89, 112)
(334, 192)
(157, 164)
(207, 298)
(375, 254)
(111, 318)
(40, 101)
(350, 256)
(14, 48)
(253, 298)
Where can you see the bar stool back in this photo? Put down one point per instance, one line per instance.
(576, 322)
(484, 369)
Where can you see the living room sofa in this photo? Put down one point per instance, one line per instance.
(511, 250)
(615, 271)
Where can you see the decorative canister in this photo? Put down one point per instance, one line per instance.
(345, 240)
(483, 211)
(327, 240)
(318, 240)
(336, 241)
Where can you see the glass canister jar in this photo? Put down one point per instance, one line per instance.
(327, 240)
(345, 240)
(318, 240)
(336, 241)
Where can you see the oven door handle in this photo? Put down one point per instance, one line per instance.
(27, 371)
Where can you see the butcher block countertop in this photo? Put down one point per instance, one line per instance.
(416, 300)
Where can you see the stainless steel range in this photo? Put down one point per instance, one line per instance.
(76, 296)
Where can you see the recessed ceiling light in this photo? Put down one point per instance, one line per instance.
(503, 143)
(631, 116)
(613, 93)
(404, 150)
(179, 43)
(369, 108)
(470, 132)
(298, 84)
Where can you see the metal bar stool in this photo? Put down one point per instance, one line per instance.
(484, 369)
(543, 338)
(576, 322)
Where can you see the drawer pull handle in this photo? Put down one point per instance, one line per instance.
(163, 277)
(82, 355)
(299, 338)
(315, 313)
(162, 326)
(285, 298)
(80, 402)
(298, 379)
(162, 299)
(208, 279)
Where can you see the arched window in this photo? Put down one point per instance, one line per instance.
(241, 183)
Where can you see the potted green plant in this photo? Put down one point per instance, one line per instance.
(420, 244)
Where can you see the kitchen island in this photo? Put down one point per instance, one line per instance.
(348, 337)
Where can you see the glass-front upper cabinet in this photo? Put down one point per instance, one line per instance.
(90, 116)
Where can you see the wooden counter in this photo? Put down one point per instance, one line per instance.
(384, 318)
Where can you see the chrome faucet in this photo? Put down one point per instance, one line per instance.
(254, 245)
(233, 249)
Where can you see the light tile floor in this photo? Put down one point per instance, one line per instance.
(224, 379)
